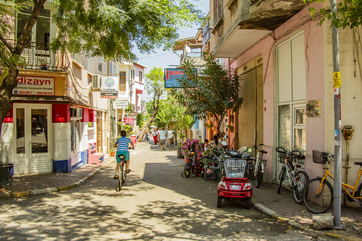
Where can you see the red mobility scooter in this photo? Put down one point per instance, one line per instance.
(234, 183)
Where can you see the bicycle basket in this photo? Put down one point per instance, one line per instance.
(318, 157)
(235, 167)
(282, 156)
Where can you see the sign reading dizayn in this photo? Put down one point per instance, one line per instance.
(33, 85)
(172, 75)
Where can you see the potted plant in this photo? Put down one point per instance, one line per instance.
(230, 128)
(44, 65)
(190, 146)
(209, 126)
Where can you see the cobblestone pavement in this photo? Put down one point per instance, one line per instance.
(265, 198)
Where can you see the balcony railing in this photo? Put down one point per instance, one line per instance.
(38, 56)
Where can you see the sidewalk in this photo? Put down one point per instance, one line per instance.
(265, 198)
(25, 185)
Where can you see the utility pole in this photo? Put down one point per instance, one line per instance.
(337, 126)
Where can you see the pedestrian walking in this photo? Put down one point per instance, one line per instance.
(162, 135)
(154, 134)
(147, 138)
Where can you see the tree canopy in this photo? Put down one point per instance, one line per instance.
(212, 91)
(349, 13)
(111, 29)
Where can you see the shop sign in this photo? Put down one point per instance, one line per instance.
(172, 75)
(120, 104)
(110, 87)
(128, 120)
(34, 85)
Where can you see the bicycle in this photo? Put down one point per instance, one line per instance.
(256, 167)
(297, 179)
(193, 167)
(319, 199)
(122, 174)
(214, 162)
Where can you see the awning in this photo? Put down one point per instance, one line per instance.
(139, 92)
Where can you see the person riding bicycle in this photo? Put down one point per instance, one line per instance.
(122, 149)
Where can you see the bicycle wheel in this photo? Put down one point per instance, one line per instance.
(187, 169)
(317, 196)
(300, 181)
(359, 193)
(250, 169)
(281, 177)
(124, 176)
(259, 175)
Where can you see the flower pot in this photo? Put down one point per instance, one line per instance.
(231, 129)
(112, 153)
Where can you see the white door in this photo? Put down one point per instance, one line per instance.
(32, 138)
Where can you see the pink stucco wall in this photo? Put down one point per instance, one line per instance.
(314, 70)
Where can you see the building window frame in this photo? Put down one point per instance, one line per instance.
(122, 80)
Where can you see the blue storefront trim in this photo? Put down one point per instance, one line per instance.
(65, 166)
(62, 166)
(84, 160)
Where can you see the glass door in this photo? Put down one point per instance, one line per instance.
(32, 139)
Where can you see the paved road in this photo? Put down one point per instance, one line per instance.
(155, 204)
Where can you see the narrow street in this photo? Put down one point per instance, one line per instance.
(155, 203)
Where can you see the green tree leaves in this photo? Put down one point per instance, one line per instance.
(213, 91)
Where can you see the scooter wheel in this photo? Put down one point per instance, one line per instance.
(248, 203)
(219, 201)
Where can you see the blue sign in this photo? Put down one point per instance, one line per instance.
(172, 75)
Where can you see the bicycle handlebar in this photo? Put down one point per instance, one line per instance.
(281, 149)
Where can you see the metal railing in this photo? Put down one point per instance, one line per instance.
(39, 56)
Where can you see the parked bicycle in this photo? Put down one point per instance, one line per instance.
(122, 174)
(256, 165)
(193, 167)
(319, 198)
(216, 159)
(212, 164)
(297, 179)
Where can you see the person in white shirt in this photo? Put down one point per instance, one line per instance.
(162, 135)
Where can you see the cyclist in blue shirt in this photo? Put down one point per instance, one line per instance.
(122, 149)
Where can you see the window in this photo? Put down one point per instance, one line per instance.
(140, 76)
(122, 81)
(292, 94)
(89, 76)
(74, 136)
(217, 11)
(132, 73)
(41, 30)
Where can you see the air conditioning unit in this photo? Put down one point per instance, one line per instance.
(96, 82)
(76, 112)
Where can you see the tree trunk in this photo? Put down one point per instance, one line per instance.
(148, 122)
(6, 91)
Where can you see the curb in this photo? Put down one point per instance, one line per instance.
(54, 189)
(293, 223)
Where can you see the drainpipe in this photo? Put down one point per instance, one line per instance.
(347, 134)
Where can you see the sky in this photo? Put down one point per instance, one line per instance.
(165, 59)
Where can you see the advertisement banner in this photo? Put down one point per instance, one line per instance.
(172, 75)
(128, 120)
(34, 85)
